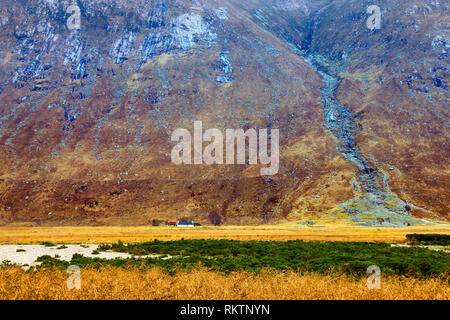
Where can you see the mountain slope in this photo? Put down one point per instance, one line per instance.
(86, 115)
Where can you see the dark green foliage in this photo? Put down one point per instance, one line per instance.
(228, 255)
(48, 244)
(436, 239)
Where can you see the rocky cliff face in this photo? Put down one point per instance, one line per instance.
(86, 114)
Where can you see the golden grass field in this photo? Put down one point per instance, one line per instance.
(117, 283)
(329, 232)
(135, 284)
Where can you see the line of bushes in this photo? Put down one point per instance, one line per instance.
(436, 239)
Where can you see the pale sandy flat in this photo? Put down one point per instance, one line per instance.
(32, 252)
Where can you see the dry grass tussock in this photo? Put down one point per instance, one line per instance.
(115, 283)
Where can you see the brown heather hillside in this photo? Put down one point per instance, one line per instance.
(86, 115)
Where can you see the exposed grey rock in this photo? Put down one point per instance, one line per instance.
(123, 47)
(190, 27)
(222, 13)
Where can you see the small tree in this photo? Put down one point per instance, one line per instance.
(156, 222)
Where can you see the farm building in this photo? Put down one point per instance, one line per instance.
(186, 224)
